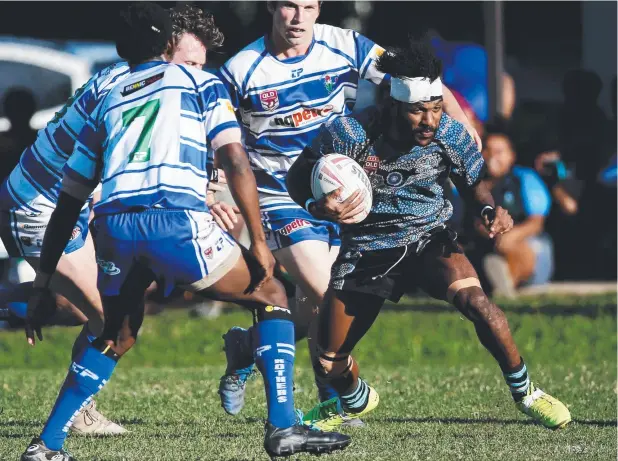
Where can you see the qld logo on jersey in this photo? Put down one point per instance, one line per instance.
(303, 117)
(269, 99)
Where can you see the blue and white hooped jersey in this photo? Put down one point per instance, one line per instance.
(283, 103)
(148, 144)
(34, 184)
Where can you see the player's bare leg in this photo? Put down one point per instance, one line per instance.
(76, 280)
(308, 265)
(273, 349)
(450, 276)
(344, 319)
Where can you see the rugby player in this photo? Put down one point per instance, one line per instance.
(29, 195)
(408, 149)
(285, 85)
(153, 131)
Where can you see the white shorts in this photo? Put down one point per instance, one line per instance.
(22, 232)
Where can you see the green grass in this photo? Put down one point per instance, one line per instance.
(441, 395)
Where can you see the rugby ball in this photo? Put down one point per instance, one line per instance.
(334, 171)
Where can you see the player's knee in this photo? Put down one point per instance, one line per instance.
(274, 293)
(482, 309)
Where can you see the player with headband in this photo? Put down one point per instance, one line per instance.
(408, 148)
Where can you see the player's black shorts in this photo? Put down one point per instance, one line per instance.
(390, 273)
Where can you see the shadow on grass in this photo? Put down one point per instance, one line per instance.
(553, 311)
(522, 422)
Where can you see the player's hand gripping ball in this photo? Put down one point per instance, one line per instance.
(336, 171)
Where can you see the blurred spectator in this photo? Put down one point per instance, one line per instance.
(525, 254)
(566, 190)
(19, 107)
(465, 71)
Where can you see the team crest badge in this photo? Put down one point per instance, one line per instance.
(329, 82)
(394, 179)
(209, 253)
(269, 99)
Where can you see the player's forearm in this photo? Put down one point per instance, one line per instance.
(298, 181)
(478, 197)
(57, 236)
(452, 108)
(241, 181)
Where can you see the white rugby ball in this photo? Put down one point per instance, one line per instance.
(334, 171)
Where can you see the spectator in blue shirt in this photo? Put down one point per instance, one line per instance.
(523, 256)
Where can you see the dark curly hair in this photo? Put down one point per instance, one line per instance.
(416, 60)
(143, 32)
(189, 19)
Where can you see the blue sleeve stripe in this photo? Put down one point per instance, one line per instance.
(69, 130)
(222, 127)
(252, 69)
(127, 71)
(80, 149)
(357, 49)
(56, 149)
(363, 49)
(34, 184)
(366, 67)
(228, 77)
(87, 118)
(44, 162)
(336, 51)
(213, 81)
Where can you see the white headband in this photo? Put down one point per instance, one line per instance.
(417, 89)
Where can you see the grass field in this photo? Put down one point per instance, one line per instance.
(441, 395)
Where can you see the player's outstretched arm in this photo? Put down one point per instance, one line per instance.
(42, 304)
(241, 181)
(452, 107)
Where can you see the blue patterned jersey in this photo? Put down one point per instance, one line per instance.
(408, 195)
